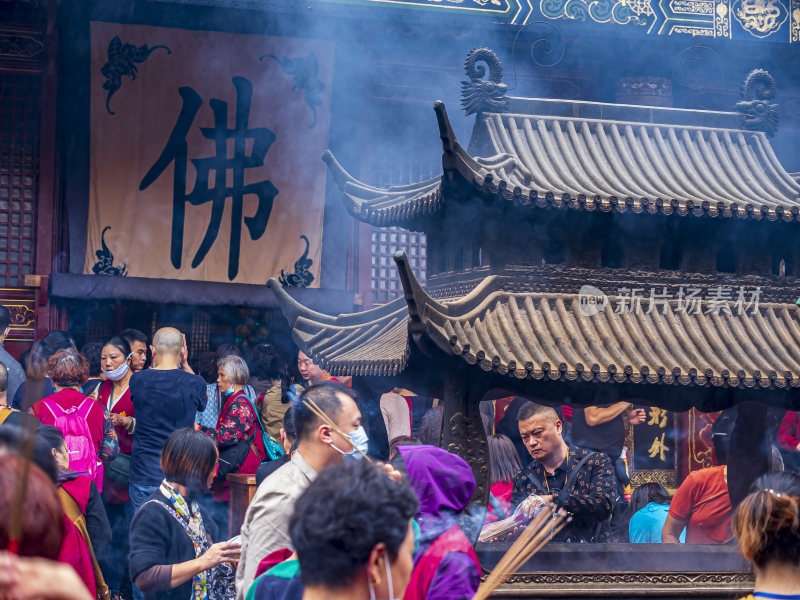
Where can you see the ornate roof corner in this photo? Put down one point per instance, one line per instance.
(475, 168)
(480, 95)
(340, 176)
(449, 142)
(344, 180)
(756, 110)
(291, 308)
(416, 296)
(382, 207)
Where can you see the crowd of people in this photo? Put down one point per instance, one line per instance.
(126, 450)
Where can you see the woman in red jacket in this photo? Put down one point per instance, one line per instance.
(115, 397)
(79, 418)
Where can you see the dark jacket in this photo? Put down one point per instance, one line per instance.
(589, 497)
(157, 538)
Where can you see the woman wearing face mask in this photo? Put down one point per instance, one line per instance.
(238, 433)
(353, 537)
(173, 554)
(115, 397)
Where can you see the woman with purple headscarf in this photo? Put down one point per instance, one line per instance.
(445, 566)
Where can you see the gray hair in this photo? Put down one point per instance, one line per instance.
(235, 369)
(3, 378)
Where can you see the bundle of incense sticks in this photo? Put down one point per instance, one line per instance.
(540, 531)
(499, 529)
(329, 422)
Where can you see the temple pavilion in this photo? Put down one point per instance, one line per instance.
(574, 245)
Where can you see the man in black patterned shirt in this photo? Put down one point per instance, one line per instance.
(580, 481)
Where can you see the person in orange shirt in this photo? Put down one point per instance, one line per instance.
(702, 503)
(703, 507)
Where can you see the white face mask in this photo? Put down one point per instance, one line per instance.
(388, 580)
(119, 372)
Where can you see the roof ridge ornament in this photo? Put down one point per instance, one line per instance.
(480, 95)
(758, 113)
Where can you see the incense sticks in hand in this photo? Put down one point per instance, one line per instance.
(527, 509)
(312, 406)
(540, 531)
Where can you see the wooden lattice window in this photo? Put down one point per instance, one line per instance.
(385, 281)
(200, 332)
(385, 241)
(20, 95)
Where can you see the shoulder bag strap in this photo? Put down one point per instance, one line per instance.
(536, 483)
(574, 474)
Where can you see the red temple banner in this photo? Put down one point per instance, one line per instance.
(206, 155)
(697, 450)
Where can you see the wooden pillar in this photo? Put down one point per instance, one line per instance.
(750, 450)
(463, 432)
(48, 226)
(242, 489)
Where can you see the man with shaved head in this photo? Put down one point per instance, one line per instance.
(577, 480)
(165, 397)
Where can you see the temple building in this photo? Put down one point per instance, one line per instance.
(577, 245)
(607, 213)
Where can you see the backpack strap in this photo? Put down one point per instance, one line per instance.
(51, 406)
(85, 407)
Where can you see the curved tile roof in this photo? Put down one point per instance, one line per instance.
(642, 166)
(547, 336)
(373, 342)
(598, 164)
(384, 207)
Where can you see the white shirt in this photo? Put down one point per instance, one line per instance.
(266, 522)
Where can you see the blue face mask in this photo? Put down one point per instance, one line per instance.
(228, 392)
(360, 441)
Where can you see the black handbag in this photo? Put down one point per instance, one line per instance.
(117, 469)
(231, 458)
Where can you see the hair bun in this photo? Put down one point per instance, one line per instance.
(782, 511)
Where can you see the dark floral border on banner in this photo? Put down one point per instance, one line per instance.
(301, 277)
(105, 260)
(122, 59)
(305, 73)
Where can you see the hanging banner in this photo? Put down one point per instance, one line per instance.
(653, 449)
(205, 155)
